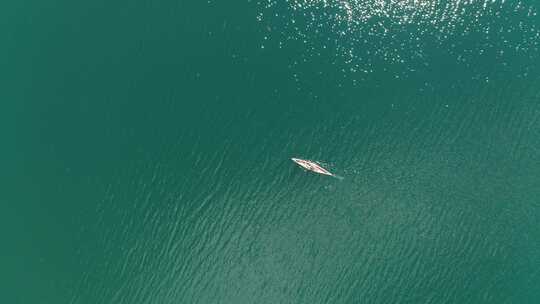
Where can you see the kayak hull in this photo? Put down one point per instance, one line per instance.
(311, 166)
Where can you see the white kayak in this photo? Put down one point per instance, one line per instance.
(312, 166)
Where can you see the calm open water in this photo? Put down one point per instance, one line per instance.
(146, 145)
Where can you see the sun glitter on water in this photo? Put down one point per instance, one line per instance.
(363, 36)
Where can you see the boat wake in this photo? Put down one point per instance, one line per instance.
(338, 177)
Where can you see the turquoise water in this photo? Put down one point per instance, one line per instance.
(147, 152)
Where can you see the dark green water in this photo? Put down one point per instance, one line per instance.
(146, 146)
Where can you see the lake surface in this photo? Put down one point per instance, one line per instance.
(146, 151)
